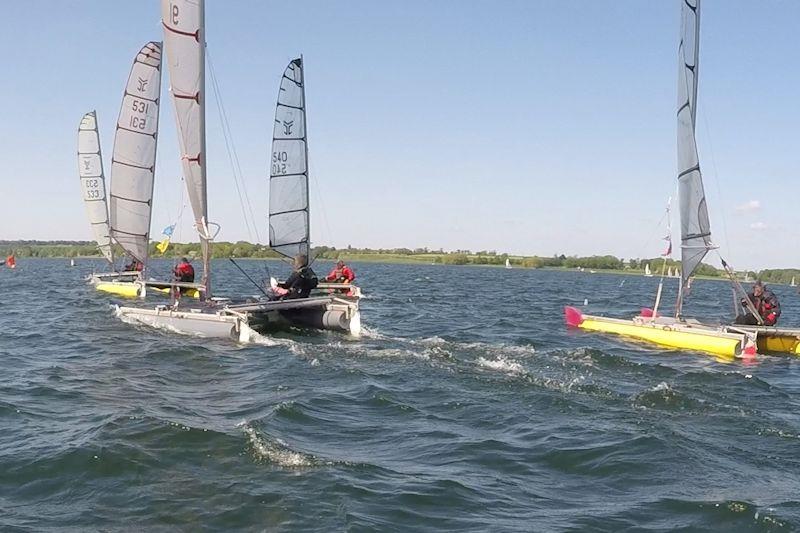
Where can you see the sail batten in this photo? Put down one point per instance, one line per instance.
(93, 185)
(289, 228)
(695, 225)
(134, 157)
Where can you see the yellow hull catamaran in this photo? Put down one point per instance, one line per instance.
(679, 332)
(125, 217)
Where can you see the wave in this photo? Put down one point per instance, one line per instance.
(277, 452)
(502, 365)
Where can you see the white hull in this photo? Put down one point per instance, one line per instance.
(239, 322)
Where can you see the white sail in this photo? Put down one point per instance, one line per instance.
(184, 39)
(289, 231)
(93, 186)
(508, 263)
(695, 227)
(134, 159)
(647, 270)
(793, 284)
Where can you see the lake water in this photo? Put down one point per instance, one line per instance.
(466, 406)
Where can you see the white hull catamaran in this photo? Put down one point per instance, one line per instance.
(184, 37)
(678, 332)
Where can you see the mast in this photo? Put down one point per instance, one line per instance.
(305, 142)
(289, 228)
(184, 35)
(133, 161)
(90, 170)
(695, 226)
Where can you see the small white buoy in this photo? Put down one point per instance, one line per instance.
(586, 301)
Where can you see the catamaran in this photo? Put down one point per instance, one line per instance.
(677, 331)
(125, 219)
(508, 263)
(184, 38)
(647, 272)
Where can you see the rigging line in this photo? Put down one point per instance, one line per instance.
(215, 88)
(258, 286)
(320, 200)
(649, 239)
(716, 182)
(233, 154)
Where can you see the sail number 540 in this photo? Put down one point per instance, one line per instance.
(279, 162)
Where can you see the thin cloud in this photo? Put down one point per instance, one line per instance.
(758, 226)
(749, 207)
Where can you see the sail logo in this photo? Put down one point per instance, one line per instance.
(287, 127)
(87, 165)
(142, 85)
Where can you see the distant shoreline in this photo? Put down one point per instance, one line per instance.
(84, 250)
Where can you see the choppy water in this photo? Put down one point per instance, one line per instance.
(466, 407)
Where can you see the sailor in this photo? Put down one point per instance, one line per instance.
(300, 281)
(134, 266)
(341, 273)
(184, 271)
(766, 304)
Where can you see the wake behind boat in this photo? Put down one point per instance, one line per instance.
(184, 37)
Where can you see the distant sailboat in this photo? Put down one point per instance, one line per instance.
(72, 262)
(508, 263)
(793, 283)
(647, 271)
(669, 272)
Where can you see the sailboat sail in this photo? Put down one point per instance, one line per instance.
(289, 231)
(134, 158)
(184, 38)
(695, 227)
(93, 185)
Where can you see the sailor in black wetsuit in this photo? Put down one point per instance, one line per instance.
(765, 302)
(301, 280)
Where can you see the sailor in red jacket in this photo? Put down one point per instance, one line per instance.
(184, 271)
(341, 273)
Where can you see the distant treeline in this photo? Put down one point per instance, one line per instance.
(244, 249)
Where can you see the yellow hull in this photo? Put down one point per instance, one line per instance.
(717, 343)
(132, 290)
(728, 341)
(191, 293)
(120, 288)
(778, 344)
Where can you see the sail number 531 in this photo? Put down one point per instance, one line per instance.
(279, 162)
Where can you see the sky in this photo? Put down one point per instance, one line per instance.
(529, 127)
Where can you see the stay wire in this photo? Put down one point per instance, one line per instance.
(233, 157)
(716, 182)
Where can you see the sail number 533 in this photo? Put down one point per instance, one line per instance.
(279, 163)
